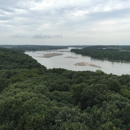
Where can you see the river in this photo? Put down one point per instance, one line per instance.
(68, 59)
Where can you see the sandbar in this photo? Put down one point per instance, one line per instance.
(49, 55)
(71, 57)
(86, 64)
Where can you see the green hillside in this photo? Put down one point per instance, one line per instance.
(34, 98)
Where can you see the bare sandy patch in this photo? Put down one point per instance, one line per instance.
(71, 57)
(49, 55)
(86, 64)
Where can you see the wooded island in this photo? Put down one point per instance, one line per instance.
(112, 53)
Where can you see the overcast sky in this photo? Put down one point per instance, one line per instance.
(65, 22)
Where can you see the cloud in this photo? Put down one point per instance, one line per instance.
(47, 36)
(41, 18)
(19, 36)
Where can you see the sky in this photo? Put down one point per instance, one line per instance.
(65, 22)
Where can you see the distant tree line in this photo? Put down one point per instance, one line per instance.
(24, 48)
(112, 53)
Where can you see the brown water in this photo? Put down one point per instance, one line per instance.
(62, 61)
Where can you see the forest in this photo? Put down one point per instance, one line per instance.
(24, 48)
(35, 98)
(112, 53)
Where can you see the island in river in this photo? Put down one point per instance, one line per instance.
(49, 55)
(71, 57)
(86, 64)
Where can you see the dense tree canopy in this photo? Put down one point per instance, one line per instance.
(113, 53)
(34, 98)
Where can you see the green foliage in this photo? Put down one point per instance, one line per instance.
(14, 59)
(33, 98)
(125, 92)
(115, 86)
(23, 48)
(113, 53)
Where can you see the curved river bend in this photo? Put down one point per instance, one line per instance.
(68, 59)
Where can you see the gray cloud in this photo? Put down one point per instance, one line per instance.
(114, 14)
(72, 18)
(19, 36)
(47, 36)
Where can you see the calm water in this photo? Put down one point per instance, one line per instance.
(61, 61)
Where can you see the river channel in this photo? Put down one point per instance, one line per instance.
(67, 60)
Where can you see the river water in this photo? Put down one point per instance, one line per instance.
(61, 61)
